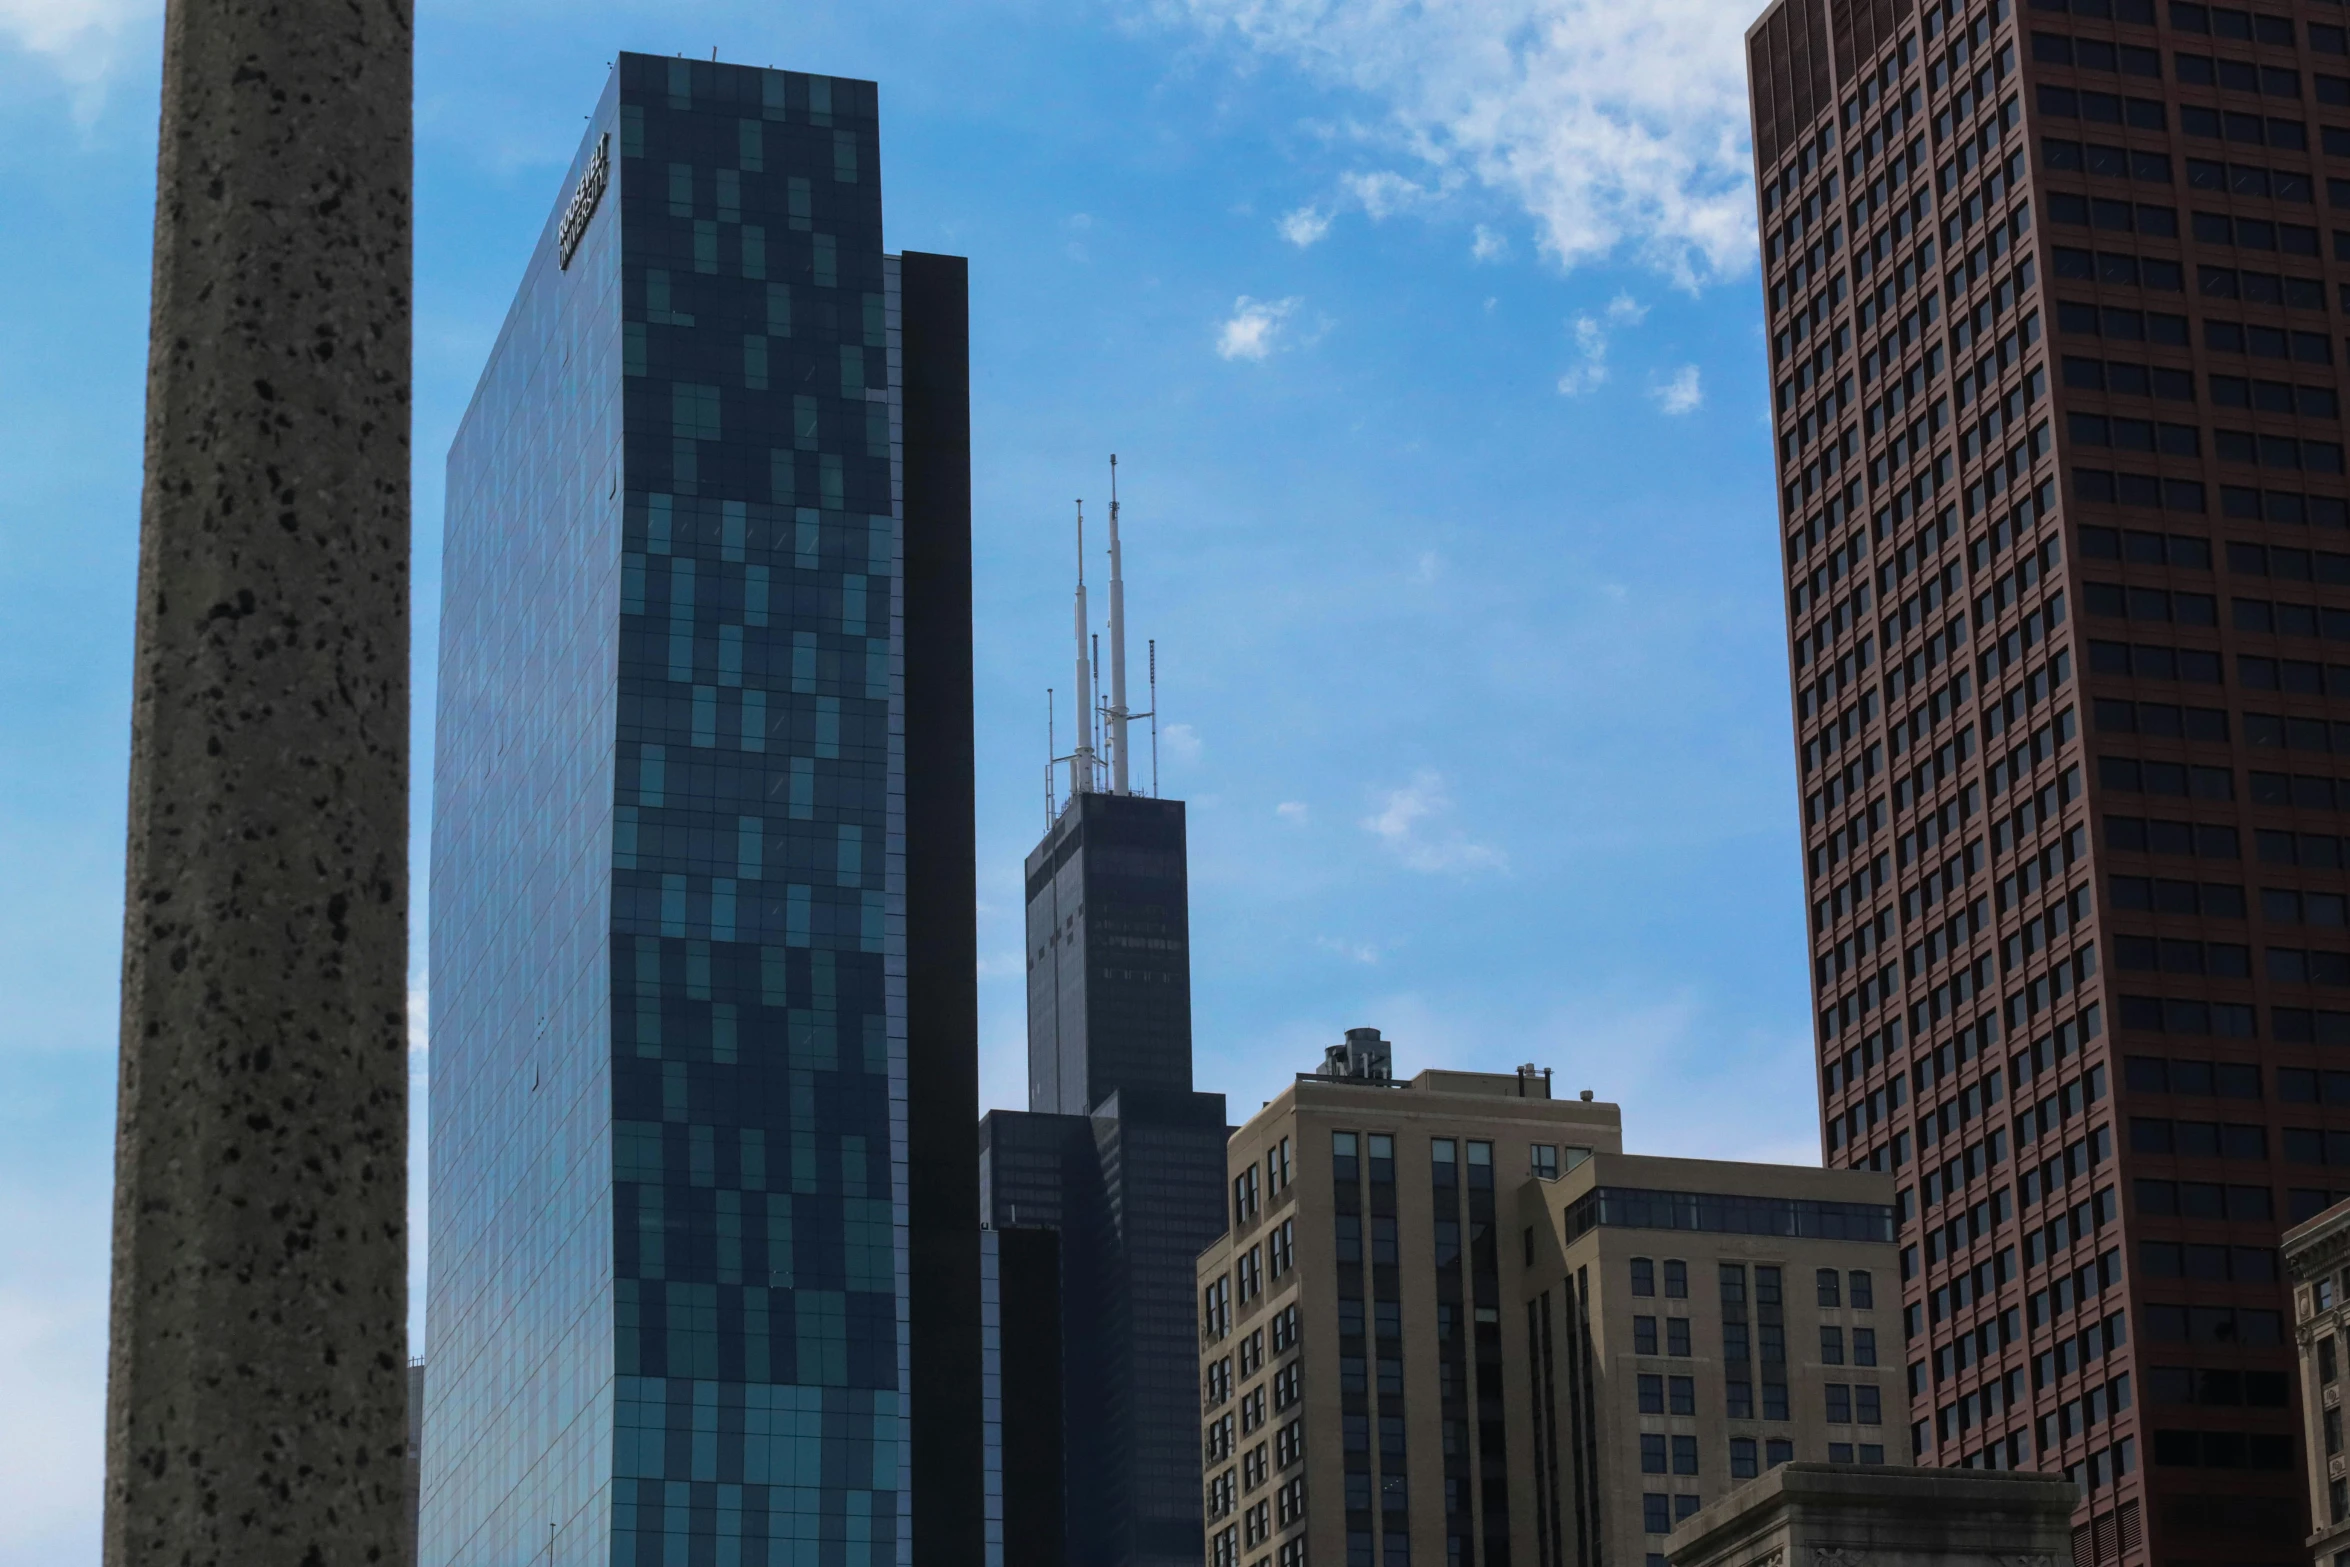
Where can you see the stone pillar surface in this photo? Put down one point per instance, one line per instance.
(257, 1380)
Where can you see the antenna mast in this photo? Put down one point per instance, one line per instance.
(1154, 718)
(1118, 714)
(1081, 760)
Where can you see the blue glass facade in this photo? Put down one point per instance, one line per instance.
(674, 1309)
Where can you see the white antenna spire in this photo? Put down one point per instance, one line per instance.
(1081, 761)
(1118, 714)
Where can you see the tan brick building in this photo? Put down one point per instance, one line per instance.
(2317, 1260)
(1453, 1323)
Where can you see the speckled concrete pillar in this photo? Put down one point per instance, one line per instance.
(257, 1380)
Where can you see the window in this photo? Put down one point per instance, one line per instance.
(1656, 1513)
(1684, 1390)
(1644, 1335)
(1677, 1336)
(1866, 1405)
(1216, 1307)
(1775, 1401)
(1831, 1345)
(1676, 1279)
(1864, 1346)
(1244, 1195)
(1652, 1394)
(1652, 1454)
(1545, 1161)
(1742, 1459)
(1739, 1397)
(1733, 1289)
(1831, 1290)
(1643, 1276)
(1684, 1455)
(1779, 1451)
(1839, 1403)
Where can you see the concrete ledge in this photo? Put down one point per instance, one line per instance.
(1844, 1515)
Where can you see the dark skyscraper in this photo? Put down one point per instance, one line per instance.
(1116, 1155)
(1109, 936)
(2060, 464)
(705, 1279)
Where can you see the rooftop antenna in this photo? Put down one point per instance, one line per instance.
(1051, 755)
(1118, 713)
(1099, 762)
(1081, 760)
(1153, 715)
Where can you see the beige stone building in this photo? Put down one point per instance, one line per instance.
(1839, 1515)
(2317, 1259)
(1453, 1323)
(1695, 1323)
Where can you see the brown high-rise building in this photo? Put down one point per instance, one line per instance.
(2056, 388)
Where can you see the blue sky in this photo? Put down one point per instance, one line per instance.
(1427, 336)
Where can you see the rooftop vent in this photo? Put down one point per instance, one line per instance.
(1364, 1057)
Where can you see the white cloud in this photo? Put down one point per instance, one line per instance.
(1414, 822)
(1353, 951)
(1680, 392)
(1305, 226)
(1490, 244)
(1291, 810)
(1256, 327)
(1590, 335)
(1182, 742)
(81, 40)
(1386, 194)
(1615, 127)
(419, 1020)
(53, 1359)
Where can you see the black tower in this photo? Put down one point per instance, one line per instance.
(1125, 1163)
(1109, 953)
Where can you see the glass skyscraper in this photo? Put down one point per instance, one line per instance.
(705, 1280)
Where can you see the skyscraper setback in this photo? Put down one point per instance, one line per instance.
(2056, 399)
(705, 1271)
